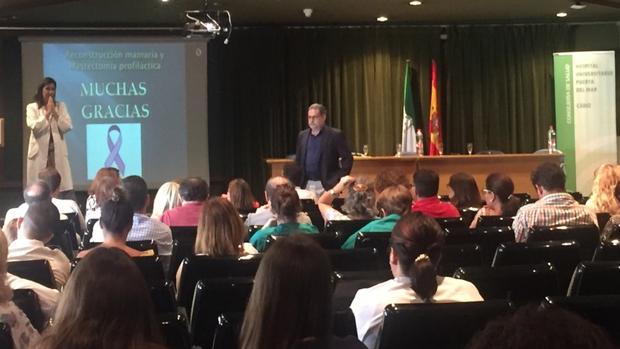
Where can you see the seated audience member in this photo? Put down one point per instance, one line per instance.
(358, 204)
(532, 327)
(554, 206)
(389, 178)
(221, 232)
(105, 188)
(264, 215)
(286, 206)
(609, 229)
(415, 251)
(194, 191)
(392, 204)
(167, 197)
(116, 220)
(463, 191)
(52, 178)
(293, 173)
(240, 196)
(21, 329)
(603, 198)
(498, 198)
(48, 297)
(92, 203)
(106, 304)
(35, 230)
(35, 192)
(143, 226)
(425, 187)
(292, 289)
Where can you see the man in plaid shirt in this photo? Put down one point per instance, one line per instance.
(555, 206)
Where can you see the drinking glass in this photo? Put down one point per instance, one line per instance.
(440, 148)
(399, 149)
(365, 149)
(470, 148)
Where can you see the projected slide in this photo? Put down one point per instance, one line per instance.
(127, 103)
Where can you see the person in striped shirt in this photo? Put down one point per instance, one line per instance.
(554, 207)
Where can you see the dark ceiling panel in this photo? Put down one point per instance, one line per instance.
(246, 12)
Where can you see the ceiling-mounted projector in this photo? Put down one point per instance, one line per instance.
(208, 23)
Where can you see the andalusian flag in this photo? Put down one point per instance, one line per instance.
(408, 138)
(434, 120)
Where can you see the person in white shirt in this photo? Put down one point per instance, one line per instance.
(52, 178)
(293, 173)
(34, 231)
(144, 227)
(415, 251)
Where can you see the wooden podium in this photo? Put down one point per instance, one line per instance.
(517, 166)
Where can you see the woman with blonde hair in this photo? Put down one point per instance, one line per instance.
(602, 199)
(167, 197)
(21, 330)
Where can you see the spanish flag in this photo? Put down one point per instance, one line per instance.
(434, 119)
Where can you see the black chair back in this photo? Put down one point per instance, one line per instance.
(587, 236)
(524, 197)
(564, 255)
(186, 235)
(468, 214)
(595, 278)
(349, 282)
(90, 224)
(437, 325)
(356, 259)
(152, 269)
(180, 250)
(227, 331)
(607, 251)
(197, 268)
(311, 208)
(452, 223)
(343, 229)
(490, 237)
(28, 301)
(344, 323)
(38, 270)
(379, 242)
(494, 221)
(455, 256)
(518, 283)
(163, 297)
(140, 245)
(213, 297)
(64, 238)
(601, 310)
(175, 331)
(6, 339)
(252, 229)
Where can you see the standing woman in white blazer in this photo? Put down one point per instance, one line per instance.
(48, 121)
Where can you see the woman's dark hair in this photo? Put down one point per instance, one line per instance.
(106, 304)
(285, 203)
(360, 200)
(38, 97)
(534, 327)
(291, 298)
(466, 193)
(116, 213)
(240, 195)
(417, 240)
(501, 185)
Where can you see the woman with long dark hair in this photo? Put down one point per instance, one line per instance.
(48, 121)
(498, 198)
(290, 305)
(463, 191)
(106, 304)
(416, 244)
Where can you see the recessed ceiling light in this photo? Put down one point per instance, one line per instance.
(382, 19)
(165, 0)
(578, 5)
(415, 3)
(561, 14)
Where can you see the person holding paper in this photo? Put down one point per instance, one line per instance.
(48, 121)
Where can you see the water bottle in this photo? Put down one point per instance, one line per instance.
(551, 140)
(419, 142)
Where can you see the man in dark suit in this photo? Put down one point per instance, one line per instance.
(322, 153)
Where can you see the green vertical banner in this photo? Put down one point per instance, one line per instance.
(565, 126)
(585, 104)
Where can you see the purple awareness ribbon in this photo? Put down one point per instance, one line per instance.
(114, 149)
